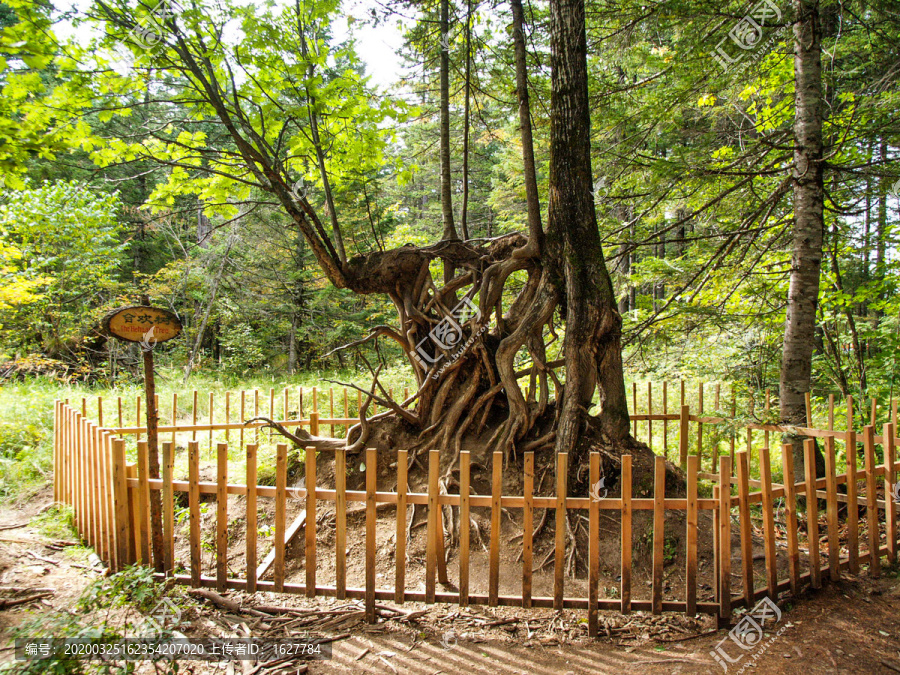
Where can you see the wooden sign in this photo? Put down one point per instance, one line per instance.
(143, 324)
(148, 326)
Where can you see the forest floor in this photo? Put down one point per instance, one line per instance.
(849, 627)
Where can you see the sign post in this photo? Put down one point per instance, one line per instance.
(148, 326)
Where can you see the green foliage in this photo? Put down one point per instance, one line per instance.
(57, 522)
(134, 586)
(68, 247)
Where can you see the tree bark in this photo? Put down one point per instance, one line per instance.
(532, 198)
(809, 199)
(464, 208)
(592, 343)
(446, 185)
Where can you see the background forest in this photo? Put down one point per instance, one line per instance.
(116, 186)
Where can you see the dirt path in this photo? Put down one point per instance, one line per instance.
(851, 627)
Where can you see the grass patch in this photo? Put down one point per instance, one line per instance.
(57, 522)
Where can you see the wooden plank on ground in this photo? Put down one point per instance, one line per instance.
(252, 516)
(625, 569)
(659, 523)
(290, 533)
(790, 516)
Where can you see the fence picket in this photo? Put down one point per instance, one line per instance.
(593, 545)
(243, 417)
(812, 514)
(144, 500)
(634, 407)
(559, 570)
(659, 523)
(371, 484)
(527, 527)
(310, 529)
(665, 394)
(872, 498)
(790, 516)
(280, 514)
(252, 515)
(120, 502)
(228, 415)
(725, 538)
(194, 507)
(134, 524)
(433, 515)
(221, 516)
(340, 520)
(625, 569)
(168, 505)
(109, 501)
(890, 505)
(211, 410)
(194, 415)
(699, 423)
(494, 554)
(834, 541)
(683, 422)
(743, 477)
(765, 477)
(852, 496)
(465, 470)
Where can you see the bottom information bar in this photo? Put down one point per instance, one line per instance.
(175, 648)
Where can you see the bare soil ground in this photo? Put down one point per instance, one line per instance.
(849, 627)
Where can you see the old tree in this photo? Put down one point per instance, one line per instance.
(271, 98)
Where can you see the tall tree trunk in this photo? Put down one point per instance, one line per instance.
(464, 208)
(317, 143)
(292, 345)
(446, 186)
(809, 200)
(532, 199)
(593, 326)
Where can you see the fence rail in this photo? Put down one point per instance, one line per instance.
(111, 498)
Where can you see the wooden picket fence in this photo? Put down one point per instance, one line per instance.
(110, 497)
